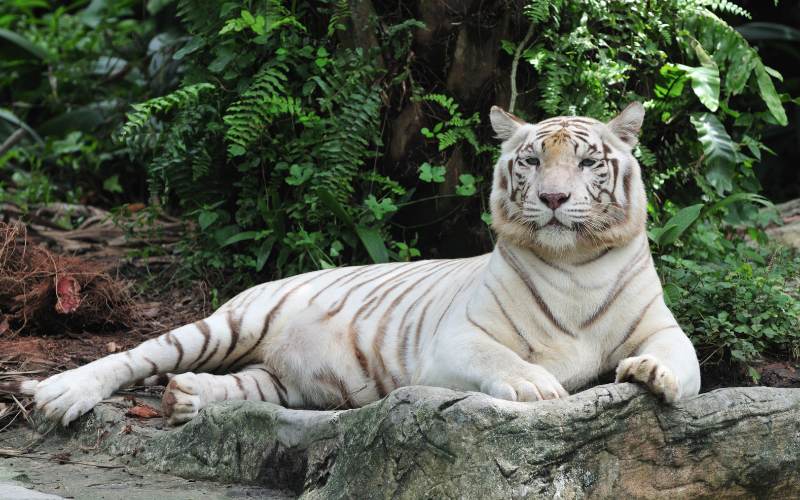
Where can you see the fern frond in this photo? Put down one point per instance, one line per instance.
(341, 13)
(725, 6)
(142, 112)
(264, 100)
(541, 11)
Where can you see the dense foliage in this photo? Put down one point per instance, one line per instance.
(299, 135)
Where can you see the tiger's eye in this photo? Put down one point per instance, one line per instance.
(588, 162)
(531, 161)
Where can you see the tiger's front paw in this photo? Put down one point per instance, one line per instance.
(68, 395)
(528, 383)
(651, 372)
(183, 398)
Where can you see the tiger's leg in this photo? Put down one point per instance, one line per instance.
(473, 360)
(666, 363)
(187, 393)
(215, 342)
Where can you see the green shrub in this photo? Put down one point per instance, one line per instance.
(737, 309)
(68, 73)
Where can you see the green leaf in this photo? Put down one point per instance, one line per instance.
(112, 184)
(466, 186)
(380, 208)
(12, 119)
(299, 174)
(85, 119)
(222, 234)
(719, 150)
(430, 173)
(17, 46)
(329, 200)
(770, 96)
(705, 78)
(244, 235)
(741, 197)
(192, 46)
(264, 252)
(769, 31)
(206, 218)
(676, 225)
(373, 242)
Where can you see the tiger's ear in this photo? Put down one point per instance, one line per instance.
(627, 124)
(504, 123)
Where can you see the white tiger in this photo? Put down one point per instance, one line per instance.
(569, 292)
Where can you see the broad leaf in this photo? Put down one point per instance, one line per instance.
(244, 235)
(373, 242)
(17, 46)
(334, 206)
(676, 225)
(719, 150)
(705, 78)
(14, 120)
(767, 90)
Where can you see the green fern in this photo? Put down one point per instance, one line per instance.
(541, 11)
(264, 100)
(178, 99)
(725, 6)
(456, 128)
(351, 125)
(341, 13)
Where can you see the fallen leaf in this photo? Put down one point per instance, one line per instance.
(4, 325)
(112, 347)
(143, 411)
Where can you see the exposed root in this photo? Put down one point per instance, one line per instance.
(43, 292)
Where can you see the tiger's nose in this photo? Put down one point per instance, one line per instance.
(554, 200)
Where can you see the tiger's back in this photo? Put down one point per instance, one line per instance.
(347, 336)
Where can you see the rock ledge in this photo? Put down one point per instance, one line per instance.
(420, 442)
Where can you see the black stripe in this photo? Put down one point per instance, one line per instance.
(234, 327)
(514, 263)
(635, 323)
(206, 331)
(279, 389)
(510, 320)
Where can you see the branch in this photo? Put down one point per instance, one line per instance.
(515, 63)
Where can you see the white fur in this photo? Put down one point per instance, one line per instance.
(546, 312)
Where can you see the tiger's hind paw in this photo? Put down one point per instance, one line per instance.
(183, 398)
(651, 372)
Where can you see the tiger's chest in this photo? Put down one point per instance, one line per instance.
(568, 318)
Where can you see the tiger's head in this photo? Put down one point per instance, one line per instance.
(569, 183)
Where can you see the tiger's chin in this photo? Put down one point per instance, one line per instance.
(556, 237)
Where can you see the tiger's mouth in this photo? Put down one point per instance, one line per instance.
(555, 223)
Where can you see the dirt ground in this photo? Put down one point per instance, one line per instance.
(39, 337)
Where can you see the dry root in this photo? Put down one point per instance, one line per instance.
(43, 292)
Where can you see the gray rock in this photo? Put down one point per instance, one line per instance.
(789, 233)
(611, 441)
